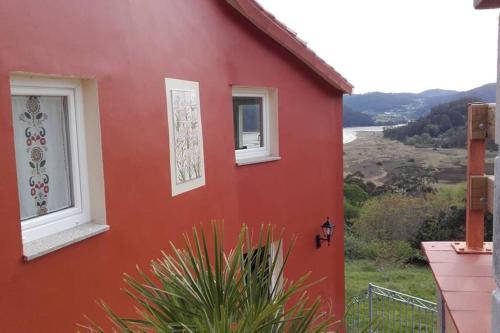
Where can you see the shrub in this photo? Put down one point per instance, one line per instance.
(391, 217)
(381, 252)
(354, 194)
(350, 212)
(193, 290)
(411, 180)
(354, 248)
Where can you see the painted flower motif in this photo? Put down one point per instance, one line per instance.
(33, 105)
(34, 118)
(36, 154)
(186, 134)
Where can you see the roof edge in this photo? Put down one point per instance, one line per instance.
(263, 20)
(486, 4)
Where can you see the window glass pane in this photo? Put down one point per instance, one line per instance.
(42, 154)
(248, 125)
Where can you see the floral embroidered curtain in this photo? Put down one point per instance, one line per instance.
(42, 154)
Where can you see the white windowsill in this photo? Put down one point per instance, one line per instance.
(45, 245)
(254, 160)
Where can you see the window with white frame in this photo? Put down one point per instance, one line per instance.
(255, 123)
(52, 156)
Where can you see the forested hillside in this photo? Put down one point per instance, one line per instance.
(354, 118)
(444, 126)
(402, 107)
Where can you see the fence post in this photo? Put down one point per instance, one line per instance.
(370, 306)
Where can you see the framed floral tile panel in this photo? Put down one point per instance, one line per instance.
(187, 165)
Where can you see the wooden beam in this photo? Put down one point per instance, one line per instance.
(491, 193)
(478, 122)
(492, 108)
(476, 134)
(482, 192)
(478, 192)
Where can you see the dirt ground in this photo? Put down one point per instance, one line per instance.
(376, 157)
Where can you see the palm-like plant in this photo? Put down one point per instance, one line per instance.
(243, 291)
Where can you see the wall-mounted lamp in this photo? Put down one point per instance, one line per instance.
(327, 229)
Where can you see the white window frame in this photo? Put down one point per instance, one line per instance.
(45, 225)
(276, 251)
(246, 154)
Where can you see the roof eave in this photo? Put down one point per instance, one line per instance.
(486, 4)
(285, 37)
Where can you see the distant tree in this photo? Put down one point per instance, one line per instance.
(445, 226)
(353, 118)
(411, 180)
(357, 178)
(355, 194)
(432, 129)
(354, 197)
(391, 217)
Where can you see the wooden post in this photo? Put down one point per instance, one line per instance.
(477, 127)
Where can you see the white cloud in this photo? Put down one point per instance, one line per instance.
(398, 45)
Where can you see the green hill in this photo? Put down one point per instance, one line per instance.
(402, 107)
(444, 126)
(353, 118)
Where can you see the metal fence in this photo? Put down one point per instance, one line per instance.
(383, 310)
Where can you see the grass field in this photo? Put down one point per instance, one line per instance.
(412, 280)
(388, 316)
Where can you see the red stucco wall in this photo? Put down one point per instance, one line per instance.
(129, 47)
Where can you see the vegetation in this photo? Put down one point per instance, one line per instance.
(194, 290)
(386, 224)
(384, 231)
(444, 126)
(410, 279)
(353, 118)
(391, 217)
(410, 180)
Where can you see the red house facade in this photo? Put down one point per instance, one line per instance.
(125, 123)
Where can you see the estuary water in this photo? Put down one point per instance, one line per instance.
(350, 133)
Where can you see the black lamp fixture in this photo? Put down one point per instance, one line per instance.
(327, 229)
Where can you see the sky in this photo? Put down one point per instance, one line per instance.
(398, 45)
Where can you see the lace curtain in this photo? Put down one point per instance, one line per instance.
(42, 154)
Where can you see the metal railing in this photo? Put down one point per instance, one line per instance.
(383, 310)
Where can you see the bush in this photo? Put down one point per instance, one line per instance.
(411, 180)
(382, 252)
(354, 194)
(350, 212)
(193, 290)
(391, 217)
(354, 197)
